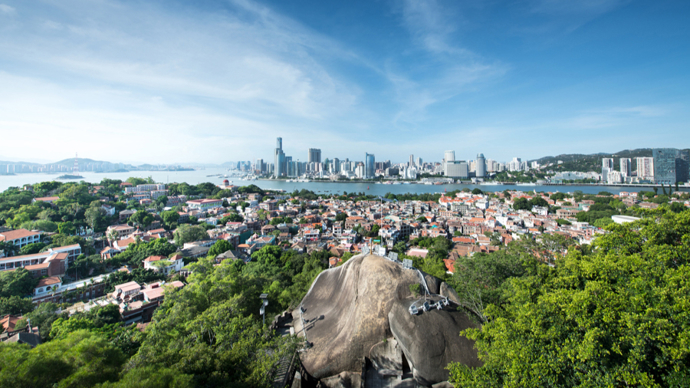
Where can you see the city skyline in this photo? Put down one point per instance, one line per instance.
(182, 83)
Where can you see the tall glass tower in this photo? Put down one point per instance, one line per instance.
(369, 169)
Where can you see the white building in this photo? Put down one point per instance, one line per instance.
(163, 264)
(645, 168)
(20, 237)
(204, 204)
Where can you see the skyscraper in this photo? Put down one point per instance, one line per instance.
(279, 159)
(670, 165)
(645, 167)
(314, 155)
(419, 163)
(448, 156)
(370, 161)
(411, 164)
(481, 166)
(606, 166)
(626, 167)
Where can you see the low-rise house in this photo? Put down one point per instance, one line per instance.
(139, 304)
(20, 237)
(50, 200)
(53, 262)
(164, 264)
(204, 204)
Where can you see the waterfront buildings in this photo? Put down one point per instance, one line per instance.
(457, 169)
(481, 166)
(645, 168)
(606, 167)
(314, 155)
(369, 170)
(670, 165)
(279, 159)
(626, 167)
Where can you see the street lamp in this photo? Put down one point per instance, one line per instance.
(264, 303)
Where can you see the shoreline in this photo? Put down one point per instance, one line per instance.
(647, 185)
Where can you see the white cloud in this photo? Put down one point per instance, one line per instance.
(174, 86)
(6, 9)
(450, 69)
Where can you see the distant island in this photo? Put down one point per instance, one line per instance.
(68, 176)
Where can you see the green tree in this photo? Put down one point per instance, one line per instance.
(15, 305)
(162, 201)
(29, 249)
(189, 233)
(67, 228)
(16, 283)
(613, 316)
(95, 218)
(170, 218)
(220, 246)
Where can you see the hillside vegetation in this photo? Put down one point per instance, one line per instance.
(613, 315)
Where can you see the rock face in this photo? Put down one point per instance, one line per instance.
(351, 309)
(431, 340)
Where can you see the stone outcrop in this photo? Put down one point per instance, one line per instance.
(432, 340)
(359, 310)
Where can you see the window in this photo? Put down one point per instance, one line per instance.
(44, 272)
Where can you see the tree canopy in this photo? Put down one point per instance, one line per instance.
(614, 315)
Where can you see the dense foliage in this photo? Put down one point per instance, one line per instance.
(615, 315)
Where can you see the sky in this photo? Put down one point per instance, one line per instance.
(215, 81)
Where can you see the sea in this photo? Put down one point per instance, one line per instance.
(217, 175)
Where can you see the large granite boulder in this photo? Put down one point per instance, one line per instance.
(354, 311)
(346, 312)
(432, 339)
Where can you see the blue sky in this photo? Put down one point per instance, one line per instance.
(212, 81)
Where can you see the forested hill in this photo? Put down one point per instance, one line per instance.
(592, 162)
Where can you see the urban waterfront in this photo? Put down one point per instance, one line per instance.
(215, 175)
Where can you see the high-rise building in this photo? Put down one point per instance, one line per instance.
(645, 167)
(419, 163)
(279, 159)
(411, 164)
(626, 167)
(491, 165)
(481, 166)
(370, 161)
(670, 165)
(515, 164)
(314, 155)
(606, 166)
(360, 170)
(335, 165)
(448, 156)
(457, 169)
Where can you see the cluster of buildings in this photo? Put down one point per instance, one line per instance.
(337, 169)
(666, 166)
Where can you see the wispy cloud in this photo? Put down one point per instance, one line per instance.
(6, 9)
(242, 74)
(448, 68)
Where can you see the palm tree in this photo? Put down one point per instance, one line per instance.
(113, 235)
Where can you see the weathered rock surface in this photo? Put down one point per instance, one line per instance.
(350, 310)
(431, 340)
(449, 293)
(347, 312)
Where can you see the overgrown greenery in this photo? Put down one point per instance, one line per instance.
(614, 315)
